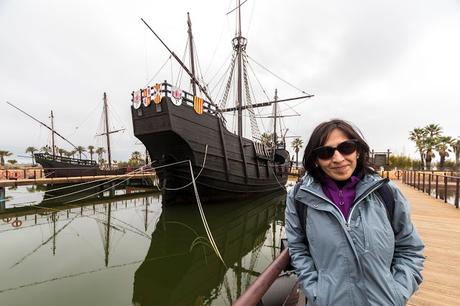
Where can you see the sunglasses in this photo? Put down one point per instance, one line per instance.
(345, 148)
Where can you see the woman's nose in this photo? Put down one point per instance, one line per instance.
(337, 157)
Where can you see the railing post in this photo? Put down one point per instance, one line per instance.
(418, 180)
(445, 189)
(457, 185)
(423, 183)
(437, 186)
(429, 184)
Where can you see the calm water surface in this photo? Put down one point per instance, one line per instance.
(127, 249)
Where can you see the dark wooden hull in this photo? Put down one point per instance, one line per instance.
(62, 167)
(223, 163)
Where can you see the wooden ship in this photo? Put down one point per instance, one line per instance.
(187, 137)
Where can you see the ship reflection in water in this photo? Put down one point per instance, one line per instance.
(181, 269)
(123, 248)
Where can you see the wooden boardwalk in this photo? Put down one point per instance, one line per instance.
(439, 225)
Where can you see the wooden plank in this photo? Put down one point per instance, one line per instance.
(439, 226)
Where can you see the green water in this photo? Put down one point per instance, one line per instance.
(127, 249)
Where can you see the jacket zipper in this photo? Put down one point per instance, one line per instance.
(363, 195)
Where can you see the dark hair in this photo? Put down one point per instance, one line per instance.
(318, 138)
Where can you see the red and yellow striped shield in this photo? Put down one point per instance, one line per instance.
(198, 105)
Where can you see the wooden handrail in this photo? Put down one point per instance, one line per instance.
(256, 291)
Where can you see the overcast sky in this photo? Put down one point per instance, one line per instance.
(387, 66)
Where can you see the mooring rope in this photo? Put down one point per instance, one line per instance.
(199, 173)
(203, 218)
(281, 185)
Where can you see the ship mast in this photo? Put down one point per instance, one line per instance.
(192, 58)
(109, 154)
(239, 45)
(275, 106)
(52, 135)
(107, 130)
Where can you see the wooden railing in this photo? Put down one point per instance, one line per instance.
(434, 183)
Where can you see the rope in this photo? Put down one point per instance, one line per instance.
(203, 218)
(199, 173)
(281, 185)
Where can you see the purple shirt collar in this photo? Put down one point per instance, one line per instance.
(342, 197)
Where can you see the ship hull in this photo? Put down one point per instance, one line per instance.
(224, 164)
(71, 167)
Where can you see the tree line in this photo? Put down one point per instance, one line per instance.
(430, 140)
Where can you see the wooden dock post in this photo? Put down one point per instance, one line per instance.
(2, 198)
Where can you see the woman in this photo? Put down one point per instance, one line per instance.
(346, 250)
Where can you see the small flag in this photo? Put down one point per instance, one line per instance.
(198, 104)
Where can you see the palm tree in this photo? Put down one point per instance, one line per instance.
(31, 150)
(12, 161)
(442, 146)
(433, 131)
(62, 152)
(80, 150)
(72, 153)
(91, 151)
(418, 135)
(297, 145)
(4, 154)
(135, 158)
(456, 148)
(46, 149)
(267, 139)
(100, 151)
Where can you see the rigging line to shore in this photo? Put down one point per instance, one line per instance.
(62, 188)
(91, 271)
(104, 181)
(279, 78)
(203, 218)
(199, 173)
(109, 181)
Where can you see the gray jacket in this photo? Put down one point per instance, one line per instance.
(359, 261)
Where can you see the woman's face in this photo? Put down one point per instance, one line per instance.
(340, 166)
